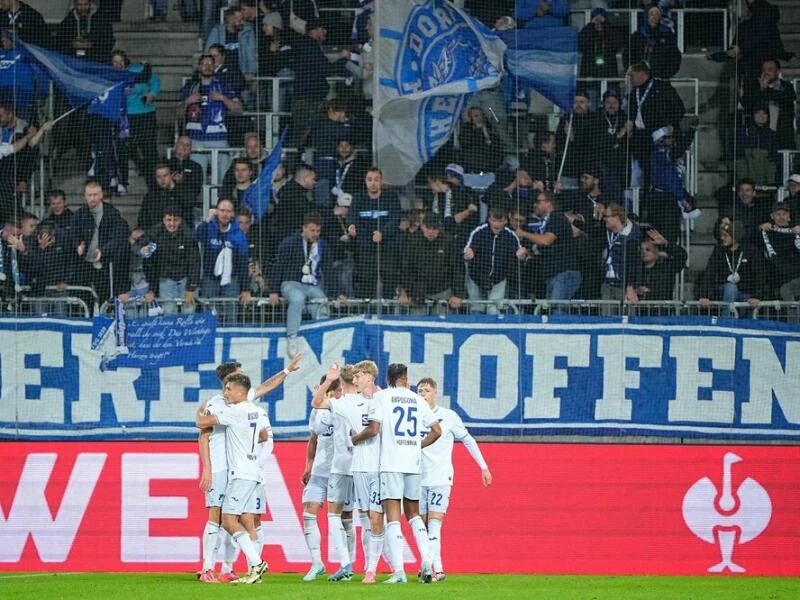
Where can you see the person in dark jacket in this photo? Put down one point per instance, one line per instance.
(454, 203)
(171, 262)
(491, 252)
(771, 90)
(599, 42)
(620, 247)
(186, 173)
(749, 211)
(156, 201)
(757, 148)
(298, 274)
(780, 242)
(653, 277)
(652, 104)
(25, 21)
(656, 44)
(101, 242)
(293, 202)
(735, 271)
(432, 267)
(85, 33)
(374, 222)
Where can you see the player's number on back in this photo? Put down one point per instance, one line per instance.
(253, 446)
(406, 421)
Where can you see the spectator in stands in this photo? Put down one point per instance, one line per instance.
(489, 12)
(52, 262)
(302, 16)
(348, 177)
(186, 173)
(10, 268)
(583, 130)
(590, 202)
(793, 199)
(544, 160)
(375, 219)
(60, 218)
(667, 201)
(653, 276)
(257, 282)
(254, 153)
(748, 211)
(735, 271)
(274, 57)
(85, 33)
(612, 146)
(223, 249)
(432, 267)
(327, 133)
(9, 203)
(491, 252)
(454, 203)
(780, 242)
(652, 104)
(622, 238)
(25, 21)
(656, 44)
(164, 195)
(599, 42)
(339, 282)
(16, 169)
(769, 89)
(171, 262)
(229, 76)
(101, 243)
(207, 102)
(513, 189)
(239, 40)
(527, 282)
(19, 82)
(242, 180)
(298, 274)
(758, 148)
(482, 149)
(141, 144)
(554, 241)
(294, 201)
(310, 88)
(18, 235)
(758, 38)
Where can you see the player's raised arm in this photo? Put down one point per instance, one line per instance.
(266, 386)
(204, 421)
(320, 398)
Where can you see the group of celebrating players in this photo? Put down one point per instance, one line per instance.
(381, 451)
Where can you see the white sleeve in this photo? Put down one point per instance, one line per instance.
(321, 422)
(475, 452)
(375, 413)
(6, 150)
(251, 395)
(226, 416)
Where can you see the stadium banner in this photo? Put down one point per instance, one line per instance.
(510, 376)
(564, 508)
(431, 57)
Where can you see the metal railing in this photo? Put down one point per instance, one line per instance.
(260, 311)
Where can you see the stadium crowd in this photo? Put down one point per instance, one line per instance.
(486, 219)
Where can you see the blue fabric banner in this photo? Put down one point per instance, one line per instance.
(684, 378)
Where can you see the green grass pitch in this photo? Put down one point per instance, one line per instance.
(176, 586)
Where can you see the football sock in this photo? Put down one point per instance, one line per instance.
(242, 539)
(339, 537)
(351, 538)
(394, 537)
(366, 535)
(421, 537)
(313, 537)
(375, 547)
(435, 541)
(259, 540)
(211, 539)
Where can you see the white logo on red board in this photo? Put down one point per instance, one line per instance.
(726, 517)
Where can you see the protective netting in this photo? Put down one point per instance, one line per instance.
(655, 195)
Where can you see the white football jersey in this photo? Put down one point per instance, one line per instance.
(321, 423)
(402, 414)
(244, 421)
(216, 440)
(263, 450)
(437, 459)
(367, 455)
(349, 414)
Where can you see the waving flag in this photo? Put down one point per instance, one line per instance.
(430, 58)
(545, 59)
(258, 195)
(100, 87)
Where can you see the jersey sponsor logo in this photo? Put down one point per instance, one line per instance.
(727, 516)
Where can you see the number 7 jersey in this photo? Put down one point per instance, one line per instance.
(402, 414)
(244, 422)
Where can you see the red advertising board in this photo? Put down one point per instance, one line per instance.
(616, 509)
